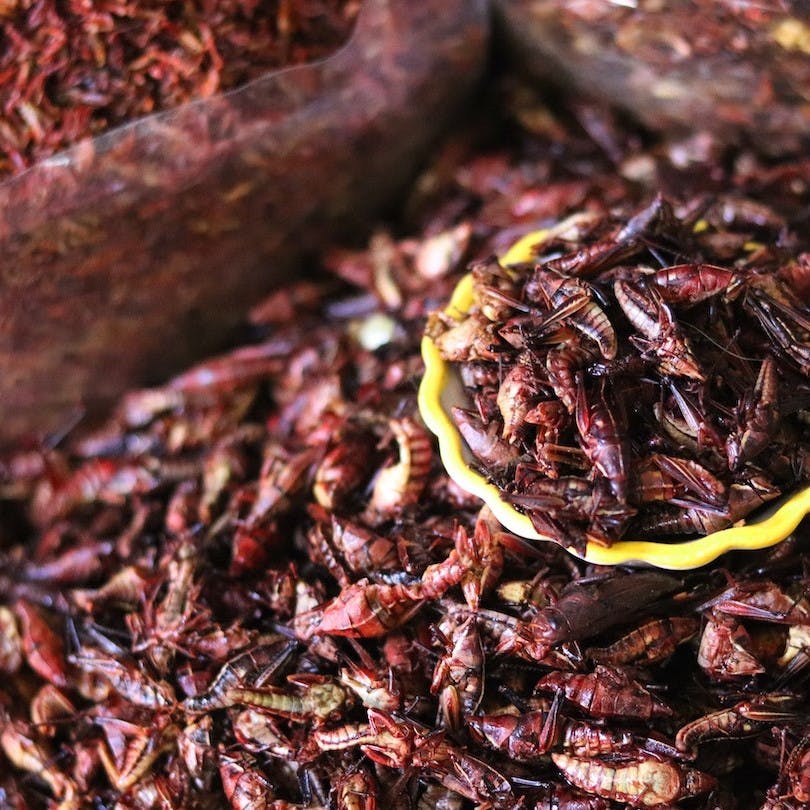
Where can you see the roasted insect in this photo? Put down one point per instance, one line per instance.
(644, 782)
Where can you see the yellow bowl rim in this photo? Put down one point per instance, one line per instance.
(674, 556)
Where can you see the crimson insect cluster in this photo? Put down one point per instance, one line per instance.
(648, 382)
(255, 585)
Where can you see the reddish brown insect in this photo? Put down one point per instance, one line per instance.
(401, 485)
(603, 439)
(375, 690)
(662, 336)
(744, 719)
(781, 315)
(96, 480)
(524, 738)
(571, 301)
(258, 732)
(482, 555)
(705, 517)
(19, 744)
(159, 628)
(357, 790)
(127, 587)
(458, 678)
(362, 610)
(244, 785)
(651, 642)
(11, 646)
(562, 364)
(484, 441)
(725, 650)
(194, 745)
(583, 611)
(529, 737)
(258, 664)
(474, 338)
(651, 485)
(48, 707)
(645, 782)
(280, 478)
(692, 283)
(607, 692)
(125, 677)
(517, 394)
(758, 415)
(143, 745)
(43, 647)
(71, 567)
(319, 699)
(797, 770)
(363, 550)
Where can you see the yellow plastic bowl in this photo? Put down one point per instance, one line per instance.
(441, 389)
